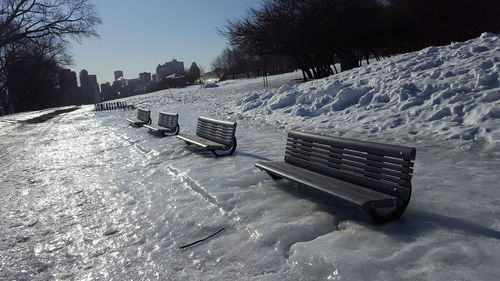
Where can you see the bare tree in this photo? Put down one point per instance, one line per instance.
(46, 27)
(35, 19)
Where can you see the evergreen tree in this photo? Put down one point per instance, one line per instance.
(193, 73)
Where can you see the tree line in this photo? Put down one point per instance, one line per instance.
(34, 37)
(313, 35)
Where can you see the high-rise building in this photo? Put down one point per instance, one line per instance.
(118, 74)
(68, 87)
(107, 92)
(171, 67)
(86, 90)
(90, 87)
(94, 86)
(145, 77)
(84, 79)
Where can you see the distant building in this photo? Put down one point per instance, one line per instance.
(94, 86)
(68, 87)
(84, 79)
(172, 67)
(135, 85)
(90, 88)
(145, 77)
(155, 78)
(107, 92)
(118, 74)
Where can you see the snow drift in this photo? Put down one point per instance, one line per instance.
(450, 91)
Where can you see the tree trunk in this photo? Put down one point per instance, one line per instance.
(334, 67)
(348, 61)
(308, 72)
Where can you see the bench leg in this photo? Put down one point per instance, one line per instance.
(383, 215)
(231, 150)
(177, 128)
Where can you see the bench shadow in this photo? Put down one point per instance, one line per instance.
(158, 135)
(246, 154)
(416, 222)
(206, 153)
(413, 224)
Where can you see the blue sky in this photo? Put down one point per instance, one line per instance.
(136, 36)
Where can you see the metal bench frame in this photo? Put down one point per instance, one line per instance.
(143, 118)
(168, 123)
(217, 136)
(374, 176)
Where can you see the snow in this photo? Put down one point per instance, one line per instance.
(454, 88)
(209, 85)
(84, 196)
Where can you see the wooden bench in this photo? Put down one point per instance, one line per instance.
(167, 124)
(215, 135)
(374, 176)
(143, 117)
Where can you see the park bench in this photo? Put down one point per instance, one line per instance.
(217, 136)
(167, 124)
(374, 176)
(143, 117)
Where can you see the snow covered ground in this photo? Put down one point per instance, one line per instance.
(84, 196)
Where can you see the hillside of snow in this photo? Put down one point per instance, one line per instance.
(451, 92)
(85, 196)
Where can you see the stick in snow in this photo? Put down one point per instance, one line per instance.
(196, 242)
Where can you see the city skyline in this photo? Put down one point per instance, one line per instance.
(137, 37)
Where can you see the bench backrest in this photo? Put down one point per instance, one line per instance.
(168, 120)
(216, 130)
(143, 115)
(381, 167)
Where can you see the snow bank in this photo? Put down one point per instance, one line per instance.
(209, 85)
(452, 92)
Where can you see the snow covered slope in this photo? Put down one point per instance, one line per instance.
(84, 196)
(452, 92)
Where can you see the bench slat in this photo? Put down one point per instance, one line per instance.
(215, 136)
(168, 120)
(341, 189)
(361, 172)
(216, 130)
(219, 133)
(201, 142)
(157, 128)
(322, 148)
(203, 126)
(391, 189)
(218, 122)
(406, 153)
(339, 163)
(143, 115)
